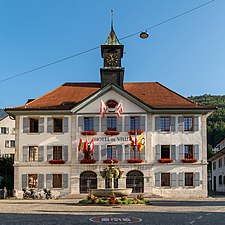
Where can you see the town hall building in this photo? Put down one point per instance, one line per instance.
(154, 135)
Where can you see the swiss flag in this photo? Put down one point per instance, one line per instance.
(92, 145)
(80, 144)
(119, 108)
(85, 146)
(103, 108)
(131, 140)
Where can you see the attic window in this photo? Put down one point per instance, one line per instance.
(111, 104)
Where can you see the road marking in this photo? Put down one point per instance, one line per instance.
(192, 222)
(199, 217)
(208, 214)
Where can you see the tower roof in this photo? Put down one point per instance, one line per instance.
(112, 38)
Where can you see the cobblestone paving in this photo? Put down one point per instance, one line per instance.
(66, 211)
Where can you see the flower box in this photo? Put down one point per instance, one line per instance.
(114, 160)
(137, 132)
(87, 161)
(191, 160)
(135, 160)
(165, 160)
(90, 132)
(56, 161)
(111, 132)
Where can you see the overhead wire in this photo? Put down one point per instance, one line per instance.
(94, 48)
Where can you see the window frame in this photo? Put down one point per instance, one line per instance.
(187, 154)
(165, 126)
(168, 148)
(166, 179)
(111, 151)
(214, 165)
(187, 179)
(57, 152)
(188, 125)
(112, 120)
(220, 180)
(4, 130)
(135, 123)
(57, 181)
(57, 128)
(33, 125)
(33, 180)
(10, 143)
(220, 162)
(33, 153)
(89, 126)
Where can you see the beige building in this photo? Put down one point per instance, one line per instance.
(169, 157)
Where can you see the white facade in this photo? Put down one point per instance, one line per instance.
(218, 171)
(7, 137)
(181, 179)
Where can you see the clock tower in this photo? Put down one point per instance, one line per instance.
(112, 52)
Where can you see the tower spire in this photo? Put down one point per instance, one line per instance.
(111, 19)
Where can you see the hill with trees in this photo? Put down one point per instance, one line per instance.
(216, 122)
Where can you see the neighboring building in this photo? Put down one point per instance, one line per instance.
(219, 146)
(7, 135)
(218, 170)
(49, 130)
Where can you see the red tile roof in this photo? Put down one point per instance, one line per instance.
(68, 95)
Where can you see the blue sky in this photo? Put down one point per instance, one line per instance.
(186, 54)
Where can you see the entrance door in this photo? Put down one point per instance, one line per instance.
(88, 180)
(135, 180)
(214, 183)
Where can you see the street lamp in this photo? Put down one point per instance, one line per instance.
(144, 34)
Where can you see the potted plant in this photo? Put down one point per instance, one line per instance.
(132, 160)
(111, 132)
(114, 160)
(56, 161)
(88, 161)
(89, 132)
(137, 132)
(189, 160)
(165, 160)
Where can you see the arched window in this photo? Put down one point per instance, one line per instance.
(135, 180)
(88, 180)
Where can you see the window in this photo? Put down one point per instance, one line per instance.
(220, 163)
(33, 153)
(188, 123)
(88, 124)
(165, 123)
(165, 152)
(57, 152)
(57, 125)
(4, 130)
(134, 123)
(32, 181)
(33, 125)
(57, 180)
(220, 179)
(214, 165)
(224, 180)
(10, 144)
(111, 151)
(111, 123)
(189, 179)
(188, 152)
(165, 179)
(224, 161)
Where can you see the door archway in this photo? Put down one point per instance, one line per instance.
(88, 180)
(135, 180)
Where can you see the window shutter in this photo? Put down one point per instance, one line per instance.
(96, 124)
(65, 152)
(142, 153)
(131, 150)
(127, 123)
(49, 152)
(174, 180)
(48, 181)
(65, 180)
(25, 125)
(197, 179)
(196, 123)
(157, 124)
(96, 152)
(104, 125)
(103, 153)
(127, 152)
(7, 130)
(80, 124)
(40, 153)
(142, 123)
(49, 124)
(80, 155)
(25, 153)
(24, 180)
(157, 152)
(173, 123)
(65, 124)
(181, 151)
(181, 123)
(196, 151)
(119, 152)
(157, 179)
(41, 125)
(119, 124)
(40, 181)
(173, 152)
(181, 179)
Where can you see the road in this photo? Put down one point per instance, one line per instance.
(67, 212)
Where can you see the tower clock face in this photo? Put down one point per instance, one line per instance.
(112, 59)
